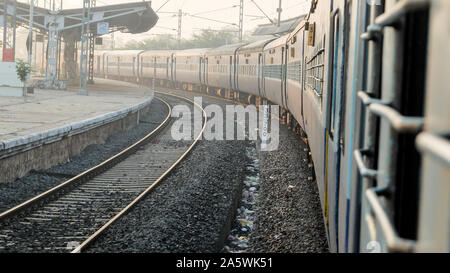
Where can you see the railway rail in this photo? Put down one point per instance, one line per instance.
(72, 215)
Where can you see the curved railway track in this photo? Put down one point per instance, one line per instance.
(72, 215)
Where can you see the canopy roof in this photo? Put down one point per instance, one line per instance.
(285, 27)
(135, 17)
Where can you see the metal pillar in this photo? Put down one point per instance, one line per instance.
(30, 34)
(91, 51)
(53, 47)
(241, 20)
(30, 39)
(84, 47)
(55, 6)
(43, 45)
(180, 18)
(9, 30)
(113, 40)
(52, 51)
(279, 10)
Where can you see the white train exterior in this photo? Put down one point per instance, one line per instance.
(368, 85)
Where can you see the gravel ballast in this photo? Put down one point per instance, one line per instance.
(25, 188)
(288, 215)
(187, 212)
(192, 209)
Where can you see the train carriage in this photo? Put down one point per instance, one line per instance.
(249, 64)
(393, 100)
(189, 66)
(220, 66)
(156, 64)
(122, 64)
(147, 64)
(353, 74)
(314, 97)
(295, 73)
(274, 71)
(99, 63)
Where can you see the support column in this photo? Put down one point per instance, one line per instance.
(91, 51)
(84, 48)
(241, 20)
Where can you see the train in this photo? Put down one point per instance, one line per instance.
(367, 83)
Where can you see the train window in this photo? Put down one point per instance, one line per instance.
(315, 69)
(246, 61)
(218, 62)
(292, 52)
(311, 34)
(294, 40)
(410, 103)
(271, 60)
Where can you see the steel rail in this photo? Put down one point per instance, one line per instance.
(94, 171)
(94, 236)
(218, 98)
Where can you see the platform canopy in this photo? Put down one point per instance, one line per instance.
(284, 28)
(135, 17)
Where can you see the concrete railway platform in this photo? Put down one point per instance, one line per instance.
(48, 127)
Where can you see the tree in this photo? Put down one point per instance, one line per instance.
(23, 69)
(206, 38)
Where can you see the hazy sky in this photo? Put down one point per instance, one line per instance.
(228, 13)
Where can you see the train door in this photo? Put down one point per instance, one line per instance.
(141, 67)
(174, 69)
(200, 69)
(167, 68)
(284, 75)
(231, 72)
(260, 74)
(98, 64)
(103, 64)
(334, 135)
(281, 76)
(207, 71)
(155, 59)
(118, 66)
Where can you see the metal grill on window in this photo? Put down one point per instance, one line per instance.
(219, 68)
(247, 69)
(275, 71)
(126, 64)
(161, 65)
(315, 71)
(189, 67)
(294, 71)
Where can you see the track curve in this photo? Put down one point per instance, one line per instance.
(80, 209)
